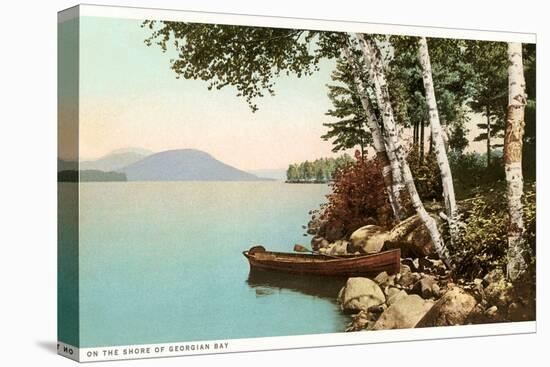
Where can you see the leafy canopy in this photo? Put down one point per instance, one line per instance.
(248, 58)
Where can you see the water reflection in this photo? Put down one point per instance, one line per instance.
(266, 283)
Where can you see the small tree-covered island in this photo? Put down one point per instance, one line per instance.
(434, 143)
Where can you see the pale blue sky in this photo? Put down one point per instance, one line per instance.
(130, 97)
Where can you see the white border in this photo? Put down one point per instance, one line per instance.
(299, 23)
(291, 342)
(302, 341)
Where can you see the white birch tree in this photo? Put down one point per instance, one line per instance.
(438, 139)
(513, 145)
(390, 171)
(377, 76)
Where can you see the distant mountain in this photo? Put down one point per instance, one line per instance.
(141, 151)
(184, 165)
(274, 174)
(115, 160)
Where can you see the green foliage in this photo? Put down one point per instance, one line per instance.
(470, 171)
(483, 245)
(358, 198)
(489, 85)
(318, 171)
(349, 130)
(450, 73)
(248, 58)
(427, 178)
(457, 139)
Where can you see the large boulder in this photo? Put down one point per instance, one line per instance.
(453, 308)
(412, 237)
(369, 238)
(360, 294)
(404, 313)
(395, 295)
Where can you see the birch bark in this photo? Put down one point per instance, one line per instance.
(513, 144)
(378, 79)
(438, 139)
(390, 170)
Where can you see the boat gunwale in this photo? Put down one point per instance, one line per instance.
(321, 258)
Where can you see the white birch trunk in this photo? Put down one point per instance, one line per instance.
(513, 144)
(438, 140)
(390, 170)
(378, 78)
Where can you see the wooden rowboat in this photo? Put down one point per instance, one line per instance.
(344, 265)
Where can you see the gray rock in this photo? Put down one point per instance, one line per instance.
(426, 287)
(453, 308)
(384, 280)
(396, 296)
(360, 294)
(370, 238)
(412, 237)
(408, 279)
(390, 291)
(404, 313)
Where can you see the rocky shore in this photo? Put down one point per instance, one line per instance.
(424, 293)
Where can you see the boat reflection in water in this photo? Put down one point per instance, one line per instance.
(270, 282)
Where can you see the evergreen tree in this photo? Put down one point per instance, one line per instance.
(450, 74)
(349, 130)
(320, 170)
(489, 62)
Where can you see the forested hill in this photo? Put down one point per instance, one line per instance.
(318, 171)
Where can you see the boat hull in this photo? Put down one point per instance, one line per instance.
(347, 265)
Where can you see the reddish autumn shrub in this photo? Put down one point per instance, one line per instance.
(358, 198)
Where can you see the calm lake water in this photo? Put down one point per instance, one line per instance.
(162, 262)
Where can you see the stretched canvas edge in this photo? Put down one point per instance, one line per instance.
(298, 23)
